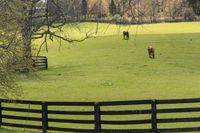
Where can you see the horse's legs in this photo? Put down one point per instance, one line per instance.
(149, 52)
(153, 55)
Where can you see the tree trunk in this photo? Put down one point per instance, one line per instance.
(26, 37)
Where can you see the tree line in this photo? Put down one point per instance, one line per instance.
(140, 11)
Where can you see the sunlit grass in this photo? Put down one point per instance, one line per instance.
(108, 68)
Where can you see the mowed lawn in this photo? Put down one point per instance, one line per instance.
(110, 68)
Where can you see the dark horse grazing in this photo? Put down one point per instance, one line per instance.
(151, 52)
(126, 35)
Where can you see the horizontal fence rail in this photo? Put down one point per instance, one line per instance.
(40, 62)
(140, 116)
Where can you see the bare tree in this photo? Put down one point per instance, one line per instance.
(49, 24)
(21, 22)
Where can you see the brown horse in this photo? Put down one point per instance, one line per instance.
(151, 52)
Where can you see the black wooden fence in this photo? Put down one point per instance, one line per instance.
(46, 116)
(40, 62)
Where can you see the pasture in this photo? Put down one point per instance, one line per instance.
(108, 68)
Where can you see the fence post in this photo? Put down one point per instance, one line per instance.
(44, 117)
(154, 117)
(46, 63)
(0, 114)
(97, 117)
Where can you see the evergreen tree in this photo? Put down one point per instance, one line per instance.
(84, 7)
(112, 8)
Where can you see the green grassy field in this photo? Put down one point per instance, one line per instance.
(109, 68)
